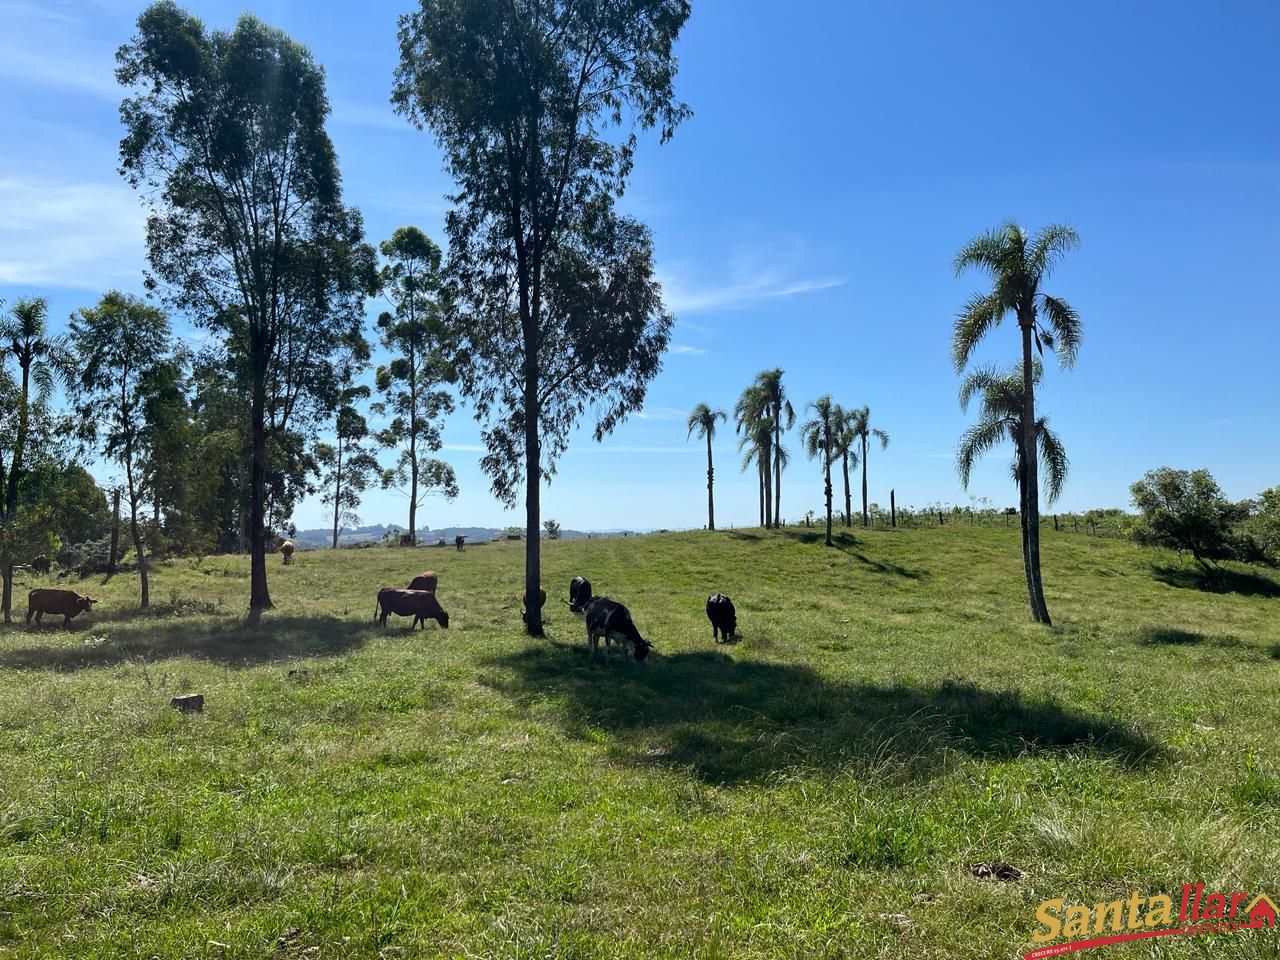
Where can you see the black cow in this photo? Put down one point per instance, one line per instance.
(422, 605)
(611, 620)
(579, 594)
(40, 564)
(724, 619)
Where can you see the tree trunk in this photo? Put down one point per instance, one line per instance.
(115, 532)
(1030, 464)
(866, 517)
(259, 595)
(768, 493)
(533, 490)
(760, 480)
(6, 600)
(777, 467)
(337, 495)
(711, 479)
(848, 500)
(827, 464)
(19, 448)
(139, 550)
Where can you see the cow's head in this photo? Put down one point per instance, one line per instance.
(444, 620)
(642, 646)
(86, 603)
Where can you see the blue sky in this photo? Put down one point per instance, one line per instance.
(806, 218)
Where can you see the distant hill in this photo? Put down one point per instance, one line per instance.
(319, 539)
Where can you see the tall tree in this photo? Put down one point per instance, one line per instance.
(753, 424)
(784, 417)
(704, 420)
(24, 336)
(410, 382)
(818, 434)
(536, 104)
(1000, 419)
(1018, 265)
(123, 344)
(863, 434)
(843, 441)
(349, 466)
(225, 142)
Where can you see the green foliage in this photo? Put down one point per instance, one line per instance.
(348, 466)
(1186, 511)
(1260, 530)
(552, 528)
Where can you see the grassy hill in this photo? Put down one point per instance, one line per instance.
(819, 789)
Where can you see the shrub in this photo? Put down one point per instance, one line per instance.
(1186, 511)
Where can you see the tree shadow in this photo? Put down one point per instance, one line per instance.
(743, 535)
(731, 721)
(229, 641)
(847, 543)
(1220, 580)
(1177, 637)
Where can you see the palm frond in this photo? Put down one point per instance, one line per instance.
(1054, 457)
(975, 442)
(1050, 245)
(882, 437)
(1065, 325)
(981, 314)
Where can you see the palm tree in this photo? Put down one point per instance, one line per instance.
(703, 419)
(23, 333)
(1000, 419)
(863, 433)
(750, 414)
(1017, 265)
(818, 435)
(779, 408)
(842, 441)
(757, 447)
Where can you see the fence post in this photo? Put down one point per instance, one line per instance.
(893, 511)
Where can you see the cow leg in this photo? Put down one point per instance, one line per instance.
(39, 617)
(66, 621)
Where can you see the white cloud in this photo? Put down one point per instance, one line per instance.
(662, 413)
(83, 235)
(755, 272)
(48, 45)
(681, 298)
(686, 349)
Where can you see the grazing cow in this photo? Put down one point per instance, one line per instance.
(579, 594)
(524, 603)
(424, 581)
(419, 604)
(40, 564)
(611, 620)
(286, 551)
(724, 619)
(64, 603)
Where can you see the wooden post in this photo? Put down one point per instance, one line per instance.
(115, 531)
(1055, 523)
(893, 511)
(940, 520)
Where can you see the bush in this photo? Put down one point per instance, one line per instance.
(1186, 511)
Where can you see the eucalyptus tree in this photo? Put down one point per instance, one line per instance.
(863, 434)
(783, 416)
(1000, 413)
(819, 436)
(349, 466)
(754, 426)
(703, 419)
(1018, 264)
(411, 383)
(843, 447)
(123, 347)
(536, 105)
(225, 143)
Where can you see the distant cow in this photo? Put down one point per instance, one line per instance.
(579, 594)
(419, 604)
(424, 581)
(524, 603)
(64, 603)
(611, 620)
(286, 551)
(459, 540)
(40, 564)
(724, 619)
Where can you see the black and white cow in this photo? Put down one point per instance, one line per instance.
(611, 620)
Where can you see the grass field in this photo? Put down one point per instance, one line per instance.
(888, 719)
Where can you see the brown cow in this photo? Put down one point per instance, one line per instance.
(286, 551)
(419, 604)
(524, 603)
(66, 603)
(424, 581)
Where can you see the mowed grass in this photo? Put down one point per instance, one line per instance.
(888, 718)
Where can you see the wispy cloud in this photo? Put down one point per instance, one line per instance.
(756, 272)
(685, 348)
(50, 45)
(466, 447)
(81, 235)
(662, 413)
(370, 115)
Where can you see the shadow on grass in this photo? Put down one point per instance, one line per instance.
(1177, 637)
(229, 641)
(846, 543)
(733, 721)
(1222, 580)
